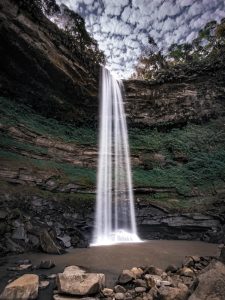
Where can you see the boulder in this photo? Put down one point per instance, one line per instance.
(126, 276)
(211, 283)
(23, 288)
(48, 245)
(75, 270)
(75, 281)
(173, 293)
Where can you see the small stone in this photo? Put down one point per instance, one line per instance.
(137, 272)
(222, 254)
(165, 283)
(20, 268)
(164, 276)
(24, 287)
(126, 276)
(34, 240)
(43, 284)
(140, 289)
(199, 266)
(119, 296)
(19, 233)
(52, 276)
(119, 289)
(64, 297)
(128, 296)
(23, 262)
(196, 258)
(140, 282)
(188, 262)
(66, 240)
(153, 292)
(186, 272)
(172, 269)
(154, 271)
(3, 214)
(187, 280)
(46, 264)
(153, 280)
(107, 292)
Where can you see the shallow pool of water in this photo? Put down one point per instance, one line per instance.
(110, 260)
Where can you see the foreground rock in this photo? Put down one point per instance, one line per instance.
(211, 283)
(176, 283)
(173, 293)
(75, 281)
(23, 288)
(199, 278)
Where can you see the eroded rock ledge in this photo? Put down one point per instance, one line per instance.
(53, 225)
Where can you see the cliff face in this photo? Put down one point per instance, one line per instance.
(176, 101)
(39, 69)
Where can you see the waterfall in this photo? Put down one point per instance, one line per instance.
(115, 217)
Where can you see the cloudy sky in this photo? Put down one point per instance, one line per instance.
(122, 27)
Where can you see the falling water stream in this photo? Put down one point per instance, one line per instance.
(115, 216)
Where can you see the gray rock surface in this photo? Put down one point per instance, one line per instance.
(211, 283)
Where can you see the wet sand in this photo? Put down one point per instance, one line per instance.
(110, 260)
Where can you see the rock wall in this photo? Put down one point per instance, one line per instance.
(176, 102)
(26, 220)
(39, 69)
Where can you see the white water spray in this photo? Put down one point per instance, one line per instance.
(115, 217)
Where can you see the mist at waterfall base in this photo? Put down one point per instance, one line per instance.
(115, 215)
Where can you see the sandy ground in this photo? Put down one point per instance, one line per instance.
(110, 260)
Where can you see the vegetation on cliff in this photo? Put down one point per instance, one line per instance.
(177, 166)
(205, 49)
(72, 30)
(49, 112)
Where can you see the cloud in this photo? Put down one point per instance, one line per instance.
(122, 27)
